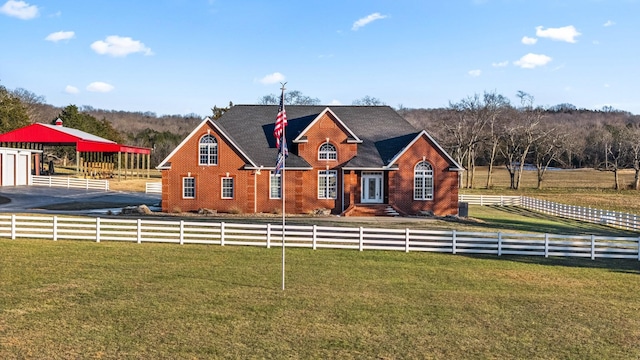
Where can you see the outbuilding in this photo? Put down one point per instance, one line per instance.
(15, 165)
(95, 156)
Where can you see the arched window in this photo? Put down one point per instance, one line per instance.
(208, 150)
(423, 181)
(327, 152)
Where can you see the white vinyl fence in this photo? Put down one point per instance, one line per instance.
(485, 200)
(317, 237)
(68, 182)
(606, 217)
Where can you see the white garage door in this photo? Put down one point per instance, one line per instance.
(8, 170)
(21, 169)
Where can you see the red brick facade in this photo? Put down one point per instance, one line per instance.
(252, 188)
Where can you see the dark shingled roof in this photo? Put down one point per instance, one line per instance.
(384, 133)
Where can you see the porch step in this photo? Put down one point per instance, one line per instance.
(371, 210)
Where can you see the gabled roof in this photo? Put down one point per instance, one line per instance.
(353, 137)
(165, 164)
(455, 165)
(58, 135)
(381, 133)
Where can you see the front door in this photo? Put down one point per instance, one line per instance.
(372, 187)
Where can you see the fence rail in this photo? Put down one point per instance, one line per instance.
(153, 187)
(483, 200)
(69, 182)
(317, 237)
(606, 217)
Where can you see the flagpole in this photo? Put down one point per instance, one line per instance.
(283, 197)
(282, 178)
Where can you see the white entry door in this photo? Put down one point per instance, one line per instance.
(372, 187)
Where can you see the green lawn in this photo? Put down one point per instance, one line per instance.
(73, 299)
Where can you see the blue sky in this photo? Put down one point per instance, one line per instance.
(185, 56)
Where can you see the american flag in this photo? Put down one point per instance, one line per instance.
(282, 154)
(281, 121)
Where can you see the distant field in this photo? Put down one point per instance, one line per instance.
(72, 299)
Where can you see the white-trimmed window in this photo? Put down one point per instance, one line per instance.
(188, 187)
(327, 151)
(327, 184)
(423, 181)
(275, 185)
(208, 150)
(227, 188)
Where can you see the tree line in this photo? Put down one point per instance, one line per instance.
(479, 130)
(487, 129)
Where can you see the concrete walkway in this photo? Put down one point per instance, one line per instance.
(36, 198)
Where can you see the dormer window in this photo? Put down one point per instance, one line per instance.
(327, 152)
(208, 150)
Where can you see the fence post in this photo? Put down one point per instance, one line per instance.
(499, 243)
(222, 233)
(406, 240)
(13, 226)
(453, 242)
(593, 247)
(269, 236)
(139, 231)
(97, 229)
(361, 240)
(314, 237)
(546, 245)
(181, 232)
(55, 228)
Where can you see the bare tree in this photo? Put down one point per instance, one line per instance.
(32, 103)
(547, 150)
(496, 107)
(293, 97)
(632, 141)
(368, 101)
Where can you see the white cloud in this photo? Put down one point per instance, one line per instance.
(119, 46)
(566, 33)
(274, 78)
(529, 40)
(71, 89)
(335, 102)
(500, 64)
(608, 23)
(60, 35)
(19, 9)
(531, 61)
(366, 20)
(475, 73)
(99, 86)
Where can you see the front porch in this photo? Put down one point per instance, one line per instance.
(371, 210)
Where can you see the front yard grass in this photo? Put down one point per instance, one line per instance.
(72, 299)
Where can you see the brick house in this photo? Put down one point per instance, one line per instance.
(348, 159)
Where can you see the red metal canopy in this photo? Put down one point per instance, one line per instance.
(58, 135)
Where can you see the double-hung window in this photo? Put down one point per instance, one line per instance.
(423, 181)
(327, 184)
(275, 185)
(188, 187)
(227, 188)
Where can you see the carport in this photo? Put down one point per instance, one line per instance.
(95, 156)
